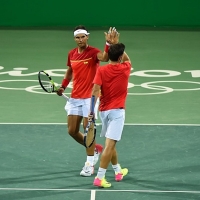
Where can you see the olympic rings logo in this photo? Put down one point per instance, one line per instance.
(161, 89)
(146, 88)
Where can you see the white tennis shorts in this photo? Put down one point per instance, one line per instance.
(112, 123)
(80, 107)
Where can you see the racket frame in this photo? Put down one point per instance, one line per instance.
(90, 131)
(52, 83)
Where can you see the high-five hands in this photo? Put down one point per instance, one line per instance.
(112, 37)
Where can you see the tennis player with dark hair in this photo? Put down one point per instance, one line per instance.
(112, 80)
(82, 63)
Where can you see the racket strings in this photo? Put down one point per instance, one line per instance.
(46, 83)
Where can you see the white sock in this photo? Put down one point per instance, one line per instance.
(116, 168)
(101, 173)
(90, 159)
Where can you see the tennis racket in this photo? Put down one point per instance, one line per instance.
(47, 83)
(90, 131)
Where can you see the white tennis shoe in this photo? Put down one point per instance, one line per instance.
(87, 170)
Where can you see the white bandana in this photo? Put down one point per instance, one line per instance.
(80, 31)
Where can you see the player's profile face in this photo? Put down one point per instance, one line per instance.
(81, 39)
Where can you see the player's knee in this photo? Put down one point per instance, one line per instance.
(72, 132)
(73, 135)
(109, 149)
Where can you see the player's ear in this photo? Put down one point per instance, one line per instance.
(120, 58)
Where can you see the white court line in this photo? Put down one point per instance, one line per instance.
(131, 124)
(93, 192)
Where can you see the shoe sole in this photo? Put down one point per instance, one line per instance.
(101, 186)
(85, 175)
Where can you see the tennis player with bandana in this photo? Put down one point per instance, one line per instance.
(82, 63)
(112, 80)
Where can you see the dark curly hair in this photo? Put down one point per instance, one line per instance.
(115, 51)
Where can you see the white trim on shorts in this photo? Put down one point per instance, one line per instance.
(112, 123)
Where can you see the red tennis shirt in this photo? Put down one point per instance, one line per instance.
(113, 80)
(84, 66)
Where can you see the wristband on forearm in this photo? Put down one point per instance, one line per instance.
(65, 83)
(106, 47)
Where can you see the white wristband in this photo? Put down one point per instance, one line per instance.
(107, 43)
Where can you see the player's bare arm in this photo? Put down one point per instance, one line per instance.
(111, 37)
(125, 58)
(95, 92)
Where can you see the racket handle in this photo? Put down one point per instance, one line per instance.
(66, 97)
(92, 103)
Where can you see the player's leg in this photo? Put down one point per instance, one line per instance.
(106, 156)
(88, 168)
(74, 119)
(117, 118)
(119, 172)
(90, 150)
(114, 159)
(74, 122)
(107, 153)
(94, 150)
(75, 110)
(112, 127)
(100, 180)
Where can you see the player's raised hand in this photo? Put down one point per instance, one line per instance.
(107, 35)
(112, 37)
